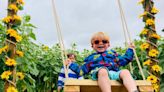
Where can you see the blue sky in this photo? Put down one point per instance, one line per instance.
(79, 19)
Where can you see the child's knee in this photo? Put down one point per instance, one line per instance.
(103, 72)
(125, 73)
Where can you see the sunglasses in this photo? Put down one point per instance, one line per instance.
(103, 41)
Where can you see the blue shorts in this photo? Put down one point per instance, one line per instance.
(113, 75)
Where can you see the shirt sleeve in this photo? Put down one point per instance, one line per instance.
(61, 78)
(84, 69)
(79, 70)
(126, 58)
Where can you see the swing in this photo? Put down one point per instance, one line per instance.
(87, 85)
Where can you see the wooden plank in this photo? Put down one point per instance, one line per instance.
(92, 89)
(94, 83)
(92, 86)
(89, 89)
(145, 89)
(71, 88)
(118, 89)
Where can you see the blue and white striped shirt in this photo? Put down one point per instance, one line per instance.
(71, 74)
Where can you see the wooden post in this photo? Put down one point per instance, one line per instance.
(151, 37)
(11, 43)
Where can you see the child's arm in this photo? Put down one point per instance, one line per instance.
(84, 69)
(61, 78)
(126, 58)
(80, 70)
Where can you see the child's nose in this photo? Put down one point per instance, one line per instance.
(100, 42)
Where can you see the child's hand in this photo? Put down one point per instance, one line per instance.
(131, 45)
(67, 61)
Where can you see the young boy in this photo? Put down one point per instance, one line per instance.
(104, 65)
(71, 74)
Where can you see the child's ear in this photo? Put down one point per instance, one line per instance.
(92, 45)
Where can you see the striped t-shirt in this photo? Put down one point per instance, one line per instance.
(71, 74)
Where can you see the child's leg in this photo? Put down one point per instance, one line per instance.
(103, 80)
(128, 81)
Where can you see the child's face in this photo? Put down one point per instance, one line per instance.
(72, 58)
(100, 45)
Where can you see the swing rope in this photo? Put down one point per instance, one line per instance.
(125, 30)
(60, 38)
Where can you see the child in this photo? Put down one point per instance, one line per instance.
(71, 74)
(104, 65)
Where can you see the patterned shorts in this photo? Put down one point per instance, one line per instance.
(113, 75)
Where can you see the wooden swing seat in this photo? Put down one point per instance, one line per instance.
(86, 85)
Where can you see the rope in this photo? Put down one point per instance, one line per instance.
(60, 38)
(125, 35)
(124, 23)
(9, 41)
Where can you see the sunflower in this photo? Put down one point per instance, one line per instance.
(144, 46)
(13, 7)
(145, 13)
(19, 53)
(20, 75)
(154, 10)
(20, 2)
(6, 74)
(152, 79)
(153, 53)
(10, 62)
(11, 89)
(149, 22)
(141, 1)
(147, 62)
(7, 19)
(155, 36)
(156, 68)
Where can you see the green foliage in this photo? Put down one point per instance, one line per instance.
(1, 85)
(161, 63)
(2, 38)
(2, 33)
(161, 54)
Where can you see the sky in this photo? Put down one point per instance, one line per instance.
(80, 19)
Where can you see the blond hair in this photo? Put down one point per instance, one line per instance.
(99, 36)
